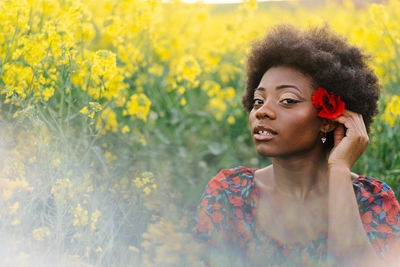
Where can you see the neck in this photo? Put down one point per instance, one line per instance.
(299, 177)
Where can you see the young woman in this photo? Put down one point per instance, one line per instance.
(311, 98)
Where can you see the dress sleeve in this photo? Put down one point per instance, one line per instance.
(212, 220)
(380, 214)
(213, 223)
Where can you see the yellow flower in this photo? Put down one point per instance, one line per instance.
(183, 101)
(40, 233)
(146, 190)
(125, 129)
(229, 93)
(138, 182)
(77, 235)
(80, 216)
(84, 110)
(104, 63)
(61, 188)
(95, 106)
(95, 216)
(188, 68)
(134, 249)
(392, 110)
(15, 222)
(139, 106)
(181, 90)
(231, 120)
(47, 93)
(146, 244)
(13, 208)
(110, 119)
(143, 141)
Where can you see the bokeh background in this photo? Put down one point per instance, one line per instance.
(116, 114)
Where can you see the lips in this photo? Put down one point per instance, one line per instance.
(262, 133)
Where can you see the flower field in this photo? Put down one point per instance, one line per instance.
(115, 114)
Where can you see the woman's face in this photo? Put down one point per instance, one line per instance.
(283, 120)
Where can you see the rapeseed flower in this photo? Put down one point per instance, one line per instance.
(41, 233)
(392, 111)
(138, 106)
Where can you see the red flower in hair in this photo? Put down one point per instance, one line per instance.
(331, 106)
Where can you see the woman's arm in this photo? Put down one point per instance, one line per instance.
(348, 242)
(347, 239)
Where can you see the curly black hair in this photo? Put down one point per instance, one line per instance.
(326, 57)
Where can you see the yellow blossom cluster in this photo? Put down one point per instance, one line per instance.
(46, 53)
(183, 248)
(145, 182)
(138, 106)
(80, 216)
(41, 233)
(392, 110)
(62, 188)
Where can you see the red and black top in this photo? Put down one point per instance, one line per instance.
(228, 209)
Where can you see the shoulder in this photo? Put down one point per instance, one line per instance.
(370, 187)
(223, 192)
(231, 177)
(376, 200)
(380, 213)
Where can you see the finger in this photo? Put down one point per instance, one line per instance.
(355, 126)
(349, 123)
(357, 121)
(338, 134)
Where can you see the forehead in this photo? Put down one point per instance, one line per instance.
(283, 75)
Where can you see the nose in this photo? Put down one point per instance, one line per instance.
(265, 111)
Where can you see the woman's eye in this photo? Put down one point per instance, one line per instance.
(289, 101)
(257, 102)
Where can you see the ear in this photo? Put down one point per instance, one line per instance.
(328, 125)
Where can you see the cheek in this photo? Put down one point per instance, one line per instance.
(302, 124)
(251, 117)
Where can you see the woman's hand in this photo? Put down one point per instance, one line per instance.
(348, 146)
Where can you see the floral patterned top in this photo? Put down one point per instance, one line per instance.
(228, 209)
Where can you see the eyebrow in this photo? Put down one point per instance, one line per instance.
(280, 87)
(287, 86)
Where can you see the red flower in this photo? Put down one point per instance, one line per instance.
(386, 204)
(331, 107)
(239, 213)
(365, 193)
(367, 228)
(367, 217)
(204, 223)
(377, 188)
(391, 219)
(217, 217)
(217, 205)
(236, 180)
(391, 216)
(384, 228)
(381, 243)
(236, 200)
(377, 209)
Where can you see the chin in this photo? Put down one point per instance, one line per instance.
(266, 150)
(262, 151)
